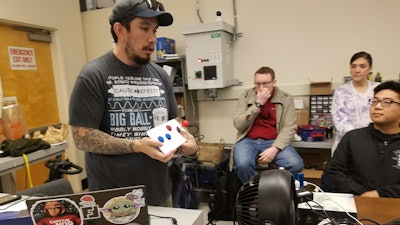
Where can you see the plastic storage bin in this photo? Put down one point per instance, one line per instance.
(311, 133)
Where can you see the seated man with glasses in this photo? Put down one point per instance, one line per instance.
(367, 160)
(266, 121)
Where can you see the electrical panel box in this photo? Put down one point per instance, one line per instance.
(209, 55)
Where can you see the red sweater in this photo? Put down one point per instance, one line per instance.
(61, 220)
(264, 126)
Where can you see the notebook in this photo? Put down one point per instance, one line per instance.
(112, 206)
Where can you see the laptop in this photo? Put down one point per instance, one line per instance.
(112, 206)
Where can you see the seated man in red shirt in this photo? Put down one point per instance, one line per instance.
(266, 121)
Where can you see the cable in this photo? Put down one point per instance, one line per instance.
(320, 190)
(198, 11)
(174, 221)
(28, 171)
(321, 207)
(235, 33)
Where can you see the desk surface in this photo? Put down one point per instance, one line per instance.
(381, 210)
(326, 144)
(183, 216)
(9, 164)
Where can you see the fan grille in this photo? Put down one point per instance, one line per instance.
(269, 198)
(247, 203)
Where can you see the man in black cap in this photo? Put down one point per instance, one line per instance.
(121, 95)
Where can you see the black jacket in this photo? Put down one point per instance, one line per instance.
(366, 160)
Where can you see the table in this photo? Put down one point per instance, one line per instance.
(381, 210)
(183, 216)
(10, 164)
(326, 144)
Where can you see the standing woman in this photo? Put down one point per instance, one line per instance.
(350, 105)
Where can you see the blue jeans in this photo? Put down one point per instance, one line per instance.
(246, 151)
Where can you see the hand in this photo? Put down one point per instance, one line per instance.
(268, 154)
(190, 146)
(372, 193)
(263, 95)
(150, 148)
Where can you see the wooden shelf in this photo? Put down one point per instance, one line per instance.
(313, 174)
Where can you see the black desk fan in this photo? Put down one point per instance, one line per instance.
(269, 198)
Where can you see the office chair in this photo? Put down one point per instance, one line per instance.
(60, 186)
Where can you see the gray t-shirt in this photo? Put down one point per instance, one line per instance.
(124, 102)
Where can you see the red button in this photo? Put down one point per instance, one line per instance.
(185, 123)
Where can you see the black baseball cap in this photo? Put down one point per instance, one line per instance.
(140, 8)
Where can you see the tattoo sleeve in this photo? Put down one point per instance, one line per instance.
(94, 140)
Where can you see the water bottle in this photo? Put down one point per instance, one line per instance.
(13, 120)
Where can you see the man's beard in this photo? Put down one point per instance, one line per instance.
(134, 57)
(140, 61)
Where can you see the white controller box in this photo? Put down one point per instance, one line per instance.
(168, 133)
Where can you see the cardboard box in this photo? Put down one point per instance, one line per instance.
(164, 46)
(303, 117)
(321, 88)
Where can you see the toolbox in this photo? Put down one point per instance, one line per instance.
(311, 133)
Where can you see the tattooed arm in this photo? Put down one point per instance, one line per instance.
(96, 141)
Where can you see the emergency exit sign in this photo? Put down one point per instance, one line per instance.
(22, 58)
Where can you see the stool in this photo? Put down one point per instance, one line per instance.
(260, 165)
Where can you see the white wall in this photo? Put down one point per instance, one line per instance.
(97, 34)
(63, 18)
(303, 41)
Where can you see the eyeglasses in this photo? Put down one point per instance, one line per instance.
(263, 83)
(384, 102)
(151, 4)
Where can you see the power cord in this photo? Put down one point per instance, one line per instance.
(174, 221)
(318, 189)
(28, 171)
(325, 214)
